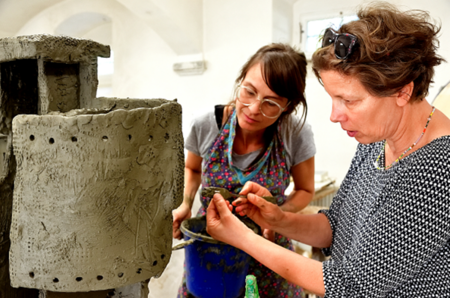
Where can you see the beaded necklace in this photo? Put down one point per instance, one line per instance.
(412, 146)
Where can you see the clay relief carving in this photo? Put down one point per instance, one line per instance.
(93, 197)
(94, 179)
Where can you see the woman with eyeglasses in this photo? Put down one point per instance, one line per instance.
(388, 228)
(258, 138)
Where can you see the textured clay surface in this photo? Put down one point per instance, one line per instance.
(93, 196)
(63, 82)
(18, 95)
(50, 73)
(114, 103)
(6, 195)
(53, 48)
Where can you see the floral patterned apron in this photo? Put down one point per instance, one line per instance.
(269, 171)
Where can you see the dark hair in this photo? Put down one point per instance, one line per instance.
(284, 71)
(394, 48)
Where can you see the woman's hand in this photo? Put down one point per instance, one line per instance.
(222, 225)
(264, 213)
(179, 215)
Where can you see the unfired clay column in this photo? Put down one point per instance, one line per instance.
(38, 74)
(25, 64)
(93, 188)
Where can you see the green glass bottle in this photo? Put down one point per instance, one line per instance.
(251, 287)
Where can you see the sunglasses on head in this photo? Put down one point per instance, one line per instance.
(343, 43)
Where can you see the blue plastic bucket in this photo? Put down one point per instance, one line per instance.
(213, 269)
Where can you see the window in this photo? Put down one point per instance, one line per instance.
(106, 65)
(316, 27)
(105, 73)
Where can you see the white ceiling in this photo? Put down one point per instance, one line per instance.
(15, 13)
(80, 24)
(179, 23)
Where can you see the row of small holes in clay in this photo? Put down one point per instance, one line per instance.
(74, 139)
(99, 277)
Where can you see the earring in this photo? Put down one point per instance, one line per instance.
(406, 93)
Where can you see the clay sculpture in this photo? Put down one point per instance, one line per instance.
(87, 184)
(93, 197)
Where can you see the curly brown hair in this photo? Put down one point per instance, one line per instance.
(394, 48)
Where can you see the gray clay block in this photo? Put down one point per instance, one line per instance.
(93, 197)
(52, 48)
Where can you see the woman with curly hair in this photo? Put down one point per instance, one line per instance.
(388, 228)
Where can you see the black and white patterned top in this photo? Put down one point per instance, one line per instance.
(391, 228)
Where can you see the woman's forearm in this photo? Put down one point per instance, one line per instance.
(311, 229)
(303, 180)
(300, 270)
(297, 200)
(192, 181)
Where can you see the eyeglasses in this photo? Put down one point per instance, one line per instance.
(269, 108)
(343, 43)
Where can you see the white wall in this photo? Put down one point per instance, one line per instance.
(229, 32)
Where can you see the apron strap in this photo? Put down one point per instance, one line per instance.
(218, 112)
